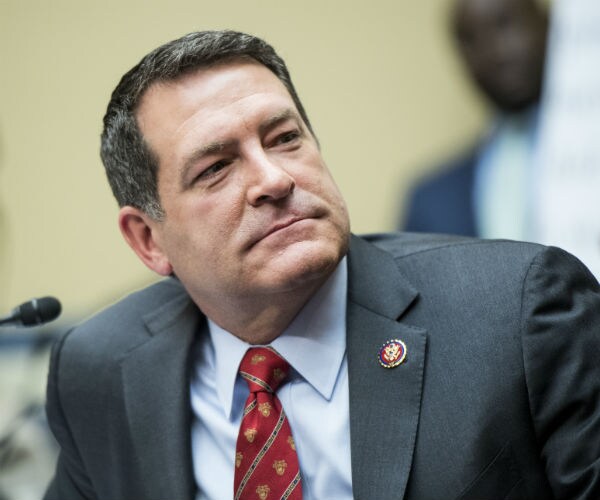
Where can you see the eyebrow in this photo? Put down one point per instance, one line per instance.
(276, 119)
(218, 146)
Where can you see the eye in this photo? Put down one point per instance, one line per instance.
(287, 137)
(213, 170)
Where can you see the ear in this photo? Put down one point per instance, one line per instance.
(140, 233)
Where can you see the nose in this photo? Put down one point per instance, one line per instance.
(269, 182)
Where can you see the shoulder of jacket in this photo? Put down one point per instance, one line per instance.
(404, 245)
(121, 326)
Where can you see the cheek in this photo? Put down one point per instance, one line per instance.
(312, 174)
(206, 225)
(325, 187)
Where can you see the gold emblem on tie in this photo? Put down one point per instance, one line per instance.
(291, 442)
(278, 374)
(266, 464)
(263, 491)
(280, 466)
(265, 409)
(257, 358)
(250, 434)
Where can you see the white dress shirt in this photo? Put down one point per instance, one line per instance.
(315, 398)
(504, 178)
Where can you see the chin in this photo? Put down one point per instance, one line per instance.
(305, 263)
(516, 100)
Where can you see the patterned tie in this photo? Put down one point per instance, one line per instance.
(266, 464)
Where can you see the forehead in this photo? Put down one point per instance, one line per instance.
(209, 100)
(471, 13)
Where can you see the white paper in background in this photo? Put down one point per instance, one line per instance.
(567, 201)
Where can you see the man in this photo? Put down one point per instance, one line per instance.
(421, 367)
(488, 190)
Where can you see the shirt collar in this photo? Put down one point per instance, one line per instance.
(314, 343)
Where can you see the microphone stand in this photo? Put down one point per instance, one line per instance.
(13, 452)
(7, 439)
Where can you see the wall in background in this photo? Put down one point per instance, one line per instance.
(379, 80)
(568, 174)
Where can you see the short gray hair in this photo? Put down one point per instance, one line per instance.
(131, 166)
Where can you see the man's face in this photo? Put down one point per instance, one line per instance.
(250, 207)
(503, 44)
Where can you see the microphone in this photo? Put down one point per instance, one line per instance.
(33, 312)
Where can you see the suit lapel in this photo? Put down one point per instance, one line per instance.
(155, 381)
(384, 403)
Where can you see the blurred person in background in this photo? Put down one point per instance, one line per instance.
(485, 192)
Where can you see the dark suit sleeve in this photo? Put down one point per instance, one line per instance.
(560, 328)
(70, 481)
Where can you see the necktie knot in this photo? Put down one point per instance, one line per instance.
(263, 369)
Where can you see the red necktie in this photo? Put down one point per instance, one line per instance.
(266, 463)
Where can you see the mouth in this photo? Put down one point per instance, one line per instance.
(278, 227)
(283, 225)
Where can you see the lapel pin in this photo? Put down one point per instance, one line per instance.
(392, 353)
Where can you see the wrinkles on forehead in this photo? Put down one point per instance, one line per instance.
(468, 14)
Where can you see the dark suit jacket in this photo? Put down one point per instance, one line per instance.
(443, 202)
(498, 397)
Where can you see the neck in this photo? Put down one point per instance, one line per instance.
(261, 319)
